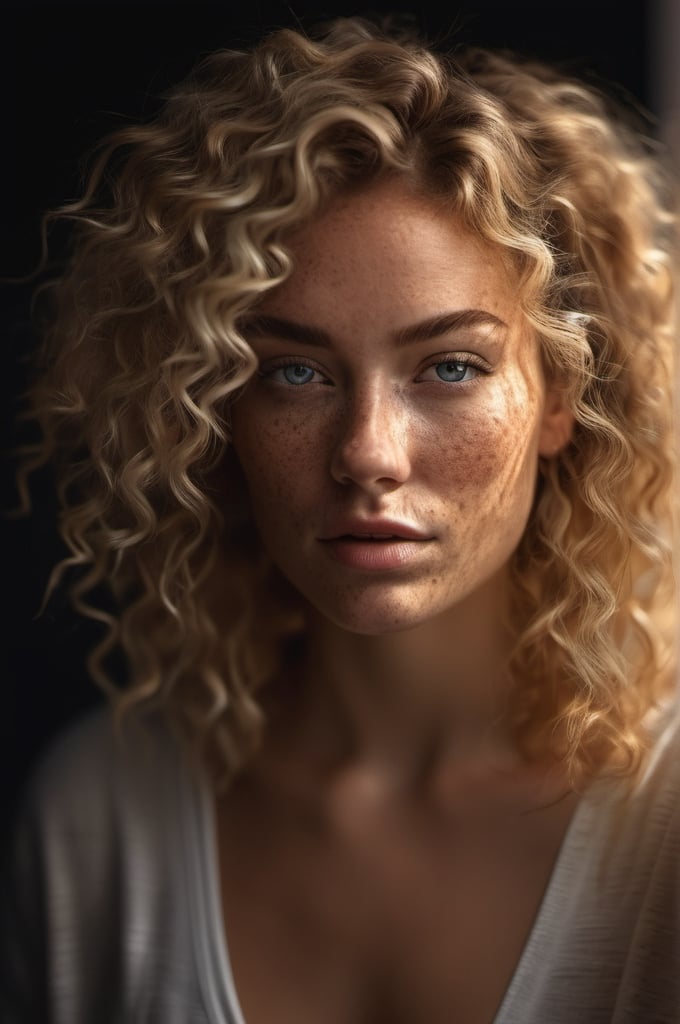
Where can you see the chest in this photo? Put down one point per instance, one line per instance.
(395, 919)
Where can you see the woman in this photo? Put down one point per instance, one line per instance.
(358, 380)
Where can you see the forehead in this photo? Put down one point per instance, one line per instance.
(388, 248)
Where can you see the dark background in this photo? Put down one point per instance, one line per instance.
(72, 72)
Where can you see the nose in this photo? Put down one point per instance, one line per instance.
(371, 449)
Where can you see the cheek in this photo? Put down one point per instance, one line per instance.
(487, 488)
(491, 458)
(276, 454)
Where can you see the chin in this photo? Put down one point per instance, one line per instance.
(368, 615)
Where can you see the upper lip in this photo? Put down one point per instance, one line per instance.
(381, 528)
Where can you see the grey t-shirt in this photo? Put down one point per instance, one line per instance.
(113, 912)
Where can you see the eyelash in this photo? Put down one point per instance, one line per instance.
(268, 372)
(468, 361)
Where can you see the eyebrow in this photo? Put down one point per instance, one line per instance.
(426, 330)
(445, 323)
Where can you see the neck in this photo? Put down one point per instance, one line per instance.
(402, 702)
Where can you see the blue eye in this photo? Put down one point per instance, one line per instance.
(452, 371)
(297, 373)
(292, 373)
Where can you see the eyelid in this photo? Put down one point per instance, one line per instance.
(468, 358)
(268, 367)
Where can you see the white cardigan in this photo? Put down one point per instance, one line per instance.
(113, 911)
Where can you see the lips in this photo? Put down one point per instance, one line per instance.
(371, 538)
(376, 545)
(378, 529)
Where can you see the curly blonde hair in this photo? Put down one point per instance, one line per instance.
(183, 228)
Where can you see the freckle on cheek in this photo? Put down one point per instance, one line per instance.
(484, 465)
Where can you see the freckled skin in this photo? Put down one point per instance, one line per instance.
(376, 432)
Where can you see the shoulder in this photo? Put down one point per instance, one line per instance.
(627, 836)
(82, 751)
(659, 779)
(97, 738)
(95, 849)
(95, 905)
(99, 794)
(647, 807)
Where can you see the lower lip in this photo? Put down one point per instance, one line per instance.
(374, 555)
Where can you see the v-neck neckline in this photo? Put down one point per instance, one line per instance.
(210, 941)
(556, 892)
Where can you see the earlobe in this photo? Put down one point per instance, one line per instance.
(557, 424)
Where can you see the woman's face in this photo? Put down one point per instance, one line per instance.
(390, 439)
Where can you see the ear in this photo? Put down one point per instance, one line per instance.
(557, 423)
